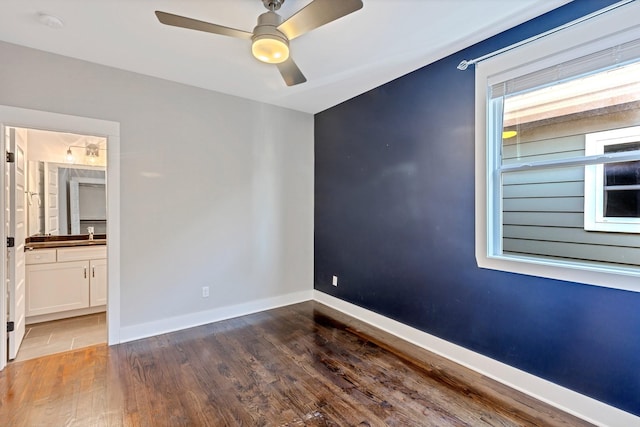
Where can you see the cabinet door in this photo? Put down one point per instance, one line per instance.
(57, 287)
(98, 282)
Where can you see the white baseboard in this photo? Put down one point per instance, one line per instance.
(64, 314)
(581, 406)
(162, 326)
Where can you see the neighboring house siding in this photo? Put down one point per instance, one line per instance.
(543, 210)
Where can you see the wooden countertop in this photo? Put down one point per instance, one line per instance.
(66, 241)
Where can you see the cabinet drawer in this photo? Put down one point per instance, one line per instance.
(40, 256)
(82, 253)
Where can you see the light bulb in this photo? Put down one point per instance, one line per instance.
(69, 157)
(270, 49)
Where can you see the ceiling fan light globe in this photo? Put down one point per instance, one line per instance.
(509, 134)
(270, 49)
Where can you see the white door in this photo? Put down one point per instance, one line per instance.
(51, 210)
(16, 228)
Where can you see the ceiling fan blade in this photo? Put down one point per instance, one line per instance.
(291, 73)
(194, 24)
(316, 14)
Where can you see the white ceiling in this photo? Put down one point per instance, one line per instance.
(384, 40)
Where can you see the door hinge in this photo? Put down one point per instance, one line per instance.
(11, 158)
(10, 326)
(11, 242)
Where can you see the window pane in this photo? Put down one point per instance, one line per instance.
(543, 210)
(622, 204)
(618, 148)
(623, 173)
(543, 217)
(549, 122)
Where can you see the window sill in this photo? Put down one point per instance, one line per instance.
(590, 274)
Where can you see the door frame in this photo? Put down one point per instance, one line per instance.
(35, 119)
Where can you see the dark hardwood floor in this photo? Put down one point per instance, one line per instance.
(302, 365)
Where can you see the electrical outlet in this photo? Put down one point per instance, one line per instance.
(205, 292)
(334, 281)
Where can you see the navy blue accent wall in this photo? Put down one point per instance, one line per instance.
(394, 220)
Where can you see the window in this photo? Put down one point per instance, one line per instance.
(612, 191)
(558, 155)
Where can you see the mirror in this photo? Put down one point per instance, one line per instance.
(66, 183)
(87, 204)
(65, 199)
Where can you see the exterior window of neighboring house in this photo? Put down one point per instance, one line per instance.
(558, 155)
(612, 191)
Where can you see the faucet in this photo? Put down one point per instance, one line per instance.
(90, 230)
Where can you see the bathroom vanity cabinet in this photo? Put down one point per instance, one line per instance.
(60, 280)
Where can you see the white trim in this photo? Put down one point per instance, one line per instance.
(185, 321)
(611, 29)
(32, 320)
(594, 219)
(569, 401)
(34, 119)
(3, 253)
(113, 239)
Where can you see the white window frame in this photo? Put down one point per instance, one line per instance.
(610, 29)
(594, 219)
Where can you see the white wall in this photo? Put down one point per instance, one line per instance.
(52, 147)
(215, 190)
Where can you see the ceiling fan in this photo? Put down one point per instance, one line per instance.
(270, 38)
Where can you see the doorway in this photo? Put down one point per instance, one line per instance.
(63, 264)
(99, 130)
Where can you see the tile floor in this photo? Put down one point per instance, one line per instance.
(46, 338)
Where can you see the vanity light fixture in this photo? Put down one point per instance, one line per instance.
(92, 152)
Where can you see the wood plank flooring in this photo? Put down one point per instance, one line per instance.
(301, 365)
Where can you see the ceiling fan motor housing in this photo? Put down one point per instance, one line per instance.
(268, 44)
(272, 4)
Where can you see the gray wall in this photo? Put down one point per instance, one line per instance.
(215, 190)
